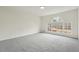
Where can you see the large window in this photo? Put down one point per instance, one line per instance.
(59, 26)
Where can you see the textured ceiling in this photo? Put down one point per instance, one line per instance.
(48, 9)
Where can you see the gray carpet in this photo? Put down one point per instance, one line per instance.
(40, 42)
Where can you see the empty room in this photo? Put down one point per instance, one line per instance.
(39, 29)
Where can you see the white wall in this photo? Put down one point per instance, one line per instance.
(78, 23)
(14, 23)
(67, 16)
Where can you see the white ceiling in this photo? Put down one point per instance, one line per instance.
(48, 9)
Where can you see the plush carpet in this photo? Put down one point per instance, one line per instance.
(40, 42)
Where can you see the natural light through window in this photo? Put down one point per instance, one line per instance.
(57, 25)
